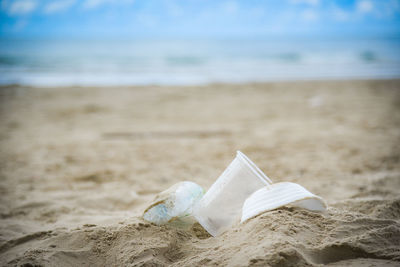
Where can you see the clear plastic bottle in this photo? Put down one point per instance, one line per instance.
(174, 204)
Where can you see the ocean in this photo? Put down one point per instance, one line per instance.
(192, 62)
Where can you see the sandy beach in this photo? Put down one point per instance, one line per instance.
(79, 165)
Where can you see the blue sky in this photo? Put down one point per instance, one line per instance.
(197, 18)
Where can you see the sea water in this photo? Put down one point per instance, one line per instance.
(166, 62)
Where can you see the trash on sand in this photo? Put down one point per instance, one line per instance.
(174, 204)
(241, 192)
(221, 206)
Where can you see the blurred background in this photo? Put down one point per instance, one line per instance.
(129, 42)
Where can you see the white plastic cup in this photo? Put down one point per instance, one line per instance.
(222, 205)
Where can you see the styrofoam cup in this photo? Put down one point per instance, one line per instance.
(222, 205)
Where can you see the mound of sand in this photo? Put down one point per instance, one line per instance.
(79, 165)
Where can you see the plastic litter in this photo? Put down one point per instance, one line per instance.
(222, 205)
(174, 204)
(278, 195)
(242, 192)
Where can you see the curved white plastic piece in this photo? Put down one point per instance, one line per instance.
(221, 206)
(278, 195)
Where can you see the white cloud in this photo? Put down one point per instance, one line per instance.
(340, 14)
(307, 2)
(309, 15)
(364, 6)
(230, 7)
(58, 6)
(146, 20)
(93, 3)
(19, 7)
(90, 4)
(256, 12)
(173, 9)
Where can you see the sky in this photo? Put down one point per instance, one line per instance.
(197, 18)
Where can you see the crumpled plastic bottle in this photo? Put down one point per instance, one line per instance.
(174, 204)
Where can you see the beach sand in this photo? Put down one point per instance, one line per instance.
(79, 166)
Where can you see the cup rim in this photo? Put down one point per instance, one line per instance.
(253, 167)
